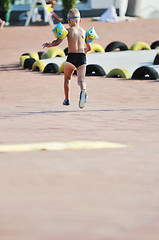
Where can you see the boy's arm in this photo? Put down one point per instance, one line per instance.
(88, 47)
(53, 43)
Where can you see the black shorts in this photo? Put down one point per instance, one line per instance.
(77, 59)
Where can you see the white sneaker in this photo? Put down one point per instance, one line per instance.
(83, 98)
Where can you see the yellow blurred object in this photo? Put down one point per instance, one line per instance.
(55, 51)
(57, 146)
(49, 8)
(39, 65)
(96, 48)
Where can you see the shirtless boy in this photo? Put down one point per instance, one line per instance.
(76, 56)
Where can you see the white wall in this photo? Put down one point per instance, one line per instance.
(121, 4)
(97, 4)
(150, 8)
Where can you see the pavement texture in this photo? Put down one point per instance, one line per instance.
(88, 194)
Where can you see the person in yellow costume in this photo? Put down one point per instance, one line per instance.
(52, 4)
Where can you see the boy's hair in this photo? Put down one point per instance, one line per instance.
(73, 12)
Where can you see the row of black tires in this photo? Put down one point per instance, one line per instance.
(115, 45)
(141, 73)
(118, 45)
(123, 47)
(42, 55)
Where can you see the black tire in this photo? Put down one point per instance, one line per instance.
(156, 60)
(28, 63)
(40, 54)
(155, 45)
(43, 55)
(140, 46)
(25, 54)
(51, 68)
(94, 70)
(66, 51)
(119, 73)
(145, 73)
(116, 45)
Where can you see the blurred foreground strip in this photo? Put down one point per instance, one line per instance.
(56, 146)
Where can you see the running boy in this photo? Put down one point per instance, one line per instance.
(76, 56)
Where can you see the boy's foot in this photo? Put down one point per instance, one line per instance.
(83, 98)
(66, 102)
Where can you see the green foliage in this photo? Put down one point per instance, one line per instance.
(5, 5)
(68, 4)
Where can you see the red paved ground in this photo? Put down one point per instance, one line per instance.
(109, 194)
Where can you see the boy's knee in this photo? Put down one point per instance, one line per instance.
(67, 79)
(80, 80)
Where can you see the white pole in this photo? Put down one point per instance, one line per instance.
(123, 8)
(30, 13)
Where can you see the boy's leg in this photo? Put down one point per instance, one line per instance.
(81, 76)
(68, 71)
